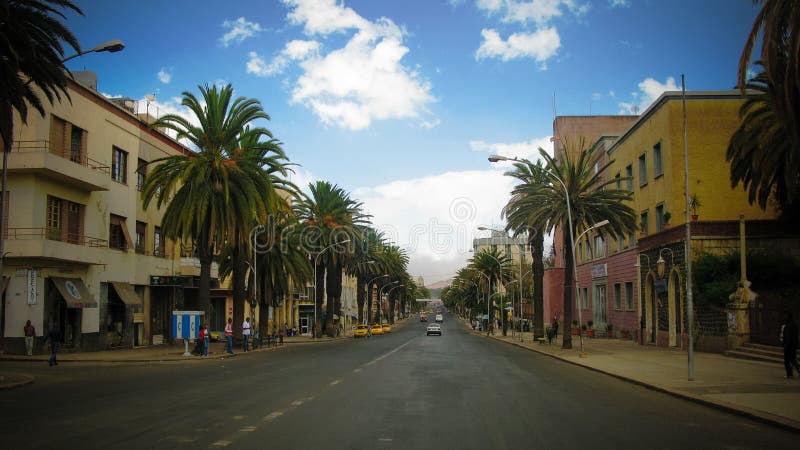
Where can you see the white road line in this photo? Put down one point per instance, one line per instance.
(386, 354)
(238, 417)
(249, 429)
(272, 416)
(385, 439)
(221, 443)
(356, 370)
(335, 382)
(297, 403)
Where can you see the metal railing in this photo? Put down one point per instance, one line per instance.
(43, 145)
(54, 234)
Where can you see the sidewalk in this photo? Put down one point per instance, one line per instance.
(751, 388)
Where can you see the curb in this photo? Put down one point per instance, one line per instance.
(769, 419)
(27, 379)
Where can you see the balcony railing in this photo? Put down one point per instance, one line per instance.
(43, 145)
(55, 234)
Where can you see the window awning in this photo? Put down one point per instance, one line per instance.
(127, 293)
(74, 292)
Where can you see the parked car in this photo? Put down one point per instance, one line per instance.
(439, 318)
(361, 331)
(387, 328)
(434, 328)
(376, 329)
(217, 336)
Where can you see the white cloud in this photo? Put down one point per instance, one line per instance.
(539, 45)
(164, 76)
(238, 30)
(540, 12)
(521, 150)
(354, 85)
(619, 3)
(296, 50)
(430, 124)
(649, 91)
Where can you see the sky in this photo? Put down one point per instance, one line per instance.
(400, 102)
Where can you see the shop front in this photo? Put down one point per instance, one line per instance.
(66, 298)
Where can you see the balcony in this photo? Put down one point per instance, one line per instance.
(51, 244)
(36, 157)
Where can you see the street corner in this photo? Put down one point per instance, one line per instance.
(15, 380)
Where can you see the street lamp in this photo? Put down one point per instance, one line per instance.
(389, 292)
(316, 261)
(639, 282)
(661, 263)
(602, 223)
(502, 287)
(370, 284)
(520, 285)
(112, 46)
(380, 300)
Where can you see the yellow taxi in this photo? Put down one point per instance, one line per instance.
(387, 328)
(361, 331)
(376, 329)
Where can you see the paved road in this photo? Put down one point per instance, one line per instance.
(403, 390)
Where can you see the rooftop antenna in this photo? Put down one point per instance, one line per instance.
(149, 98)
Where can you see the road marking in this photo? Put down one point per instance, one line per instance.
(272, 416)
(335, 382)
(356, 370)
(249, 429)
(238, 417)
(297, 402)
(385, 439)
(386, 354)
(221, 443)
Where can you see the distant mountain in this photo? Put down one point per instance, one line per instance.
(438, 285)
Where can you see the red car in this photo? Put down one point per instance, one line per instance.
(423, 318)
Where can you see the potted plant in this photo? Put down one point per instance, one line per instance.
(625, 334)
(589, 329)
(575, 327)
(694, 204)
(667, 216)
(642, 226)
(609, 330)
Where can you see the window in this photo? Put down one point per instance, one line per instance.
(631, 240)
(660, 218)
(53, 214)
(118, 236)
(642, 170)
(619, 180)
(64, 220)
(658, 167)
(617, 296)
(629, 176)
(643, 223)
(620, 243)
(158, 242)
(580, 253)
(141, 173)
(141, 233)
(629, 295)
(599, 246)
(119, 165)
(585, 298)
(67, 140)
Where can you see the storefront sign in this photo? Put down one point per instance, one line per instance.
(33, 288)
(599, 271)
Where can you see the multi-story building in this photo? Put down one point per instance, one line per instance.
(516, 249)
(81, 251)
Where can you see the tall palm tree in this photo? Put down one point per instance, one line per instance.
(592, 199)
(394, 261)
(209, 192)
(363, 265)
(329, 216)
(764, 152)
(31, 54)
(498, 268)
(517, 211)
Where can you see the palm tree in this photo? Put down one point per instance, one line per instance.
(591, 198)
(209, 193)
(517, 212)
(31, 53)
(363, 265)
(764, 152)
(329, 216)
(394, 261)
(498, 268)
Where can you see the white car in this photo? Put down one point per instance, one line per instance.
(434, 328)
(439, 318)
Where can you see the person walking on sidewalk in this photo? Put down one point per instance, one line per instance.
(789, 341)
(54, 335)
(246, 332)
(229, 335)
(206, 340)
(30, 333)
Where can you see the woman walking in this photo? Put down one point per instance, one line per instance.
(229, 335)
(206, 340)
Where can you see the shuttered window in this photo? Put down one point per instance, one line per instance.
(118, 236)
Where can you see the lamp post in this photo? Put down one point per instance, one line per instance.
(489, 286)
(316, 261)
(639, 282)
(389, 292)
(368, 285)
(502, 286)
(253, 247)
(110, 46)
(661, 263)
(520, 287)
(602, 223)
(380, 300)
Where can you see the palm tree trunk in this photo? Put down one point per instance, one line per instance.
(239, 292)
(391, 309)
(360, 298)
(334, 291)
(568, 284)
(204, 288)
(320, 291)
(263, 308)
(536, 242)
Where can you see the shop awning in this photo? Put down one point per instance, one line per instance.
(127, 293)
(74, 292)
(4, 285)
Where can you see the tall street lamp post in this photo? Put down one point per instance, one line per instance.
(602, 223)
(389, 292)
(365, 318)
(380, 300)
(316, 261)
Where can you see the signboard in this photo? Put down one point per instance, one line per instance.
(186, 324)
(33, 288)
(599, 271)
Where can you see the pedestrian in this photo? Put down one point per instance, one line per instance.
(206, 340)
(246, 332)
(229, 335)
(789, 341)
(201, 341)
(30, 333)
(54, 336)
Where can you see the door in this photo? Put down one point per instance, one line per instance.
(304, 325)
(600, 313)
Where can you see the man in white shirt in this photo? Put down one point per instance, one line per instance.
(246, 332)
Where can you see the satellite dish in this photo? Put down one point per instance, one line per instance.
(150, 97)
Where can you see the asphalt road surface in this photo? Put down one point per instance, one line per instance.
(404, 390)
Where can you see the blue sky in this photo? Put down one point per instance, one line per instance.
(401, 101)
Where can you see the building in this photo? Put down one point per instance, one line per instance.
(81, 250)
(517, 249)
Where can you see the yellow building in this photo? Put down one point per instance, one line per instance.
(81, 251)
